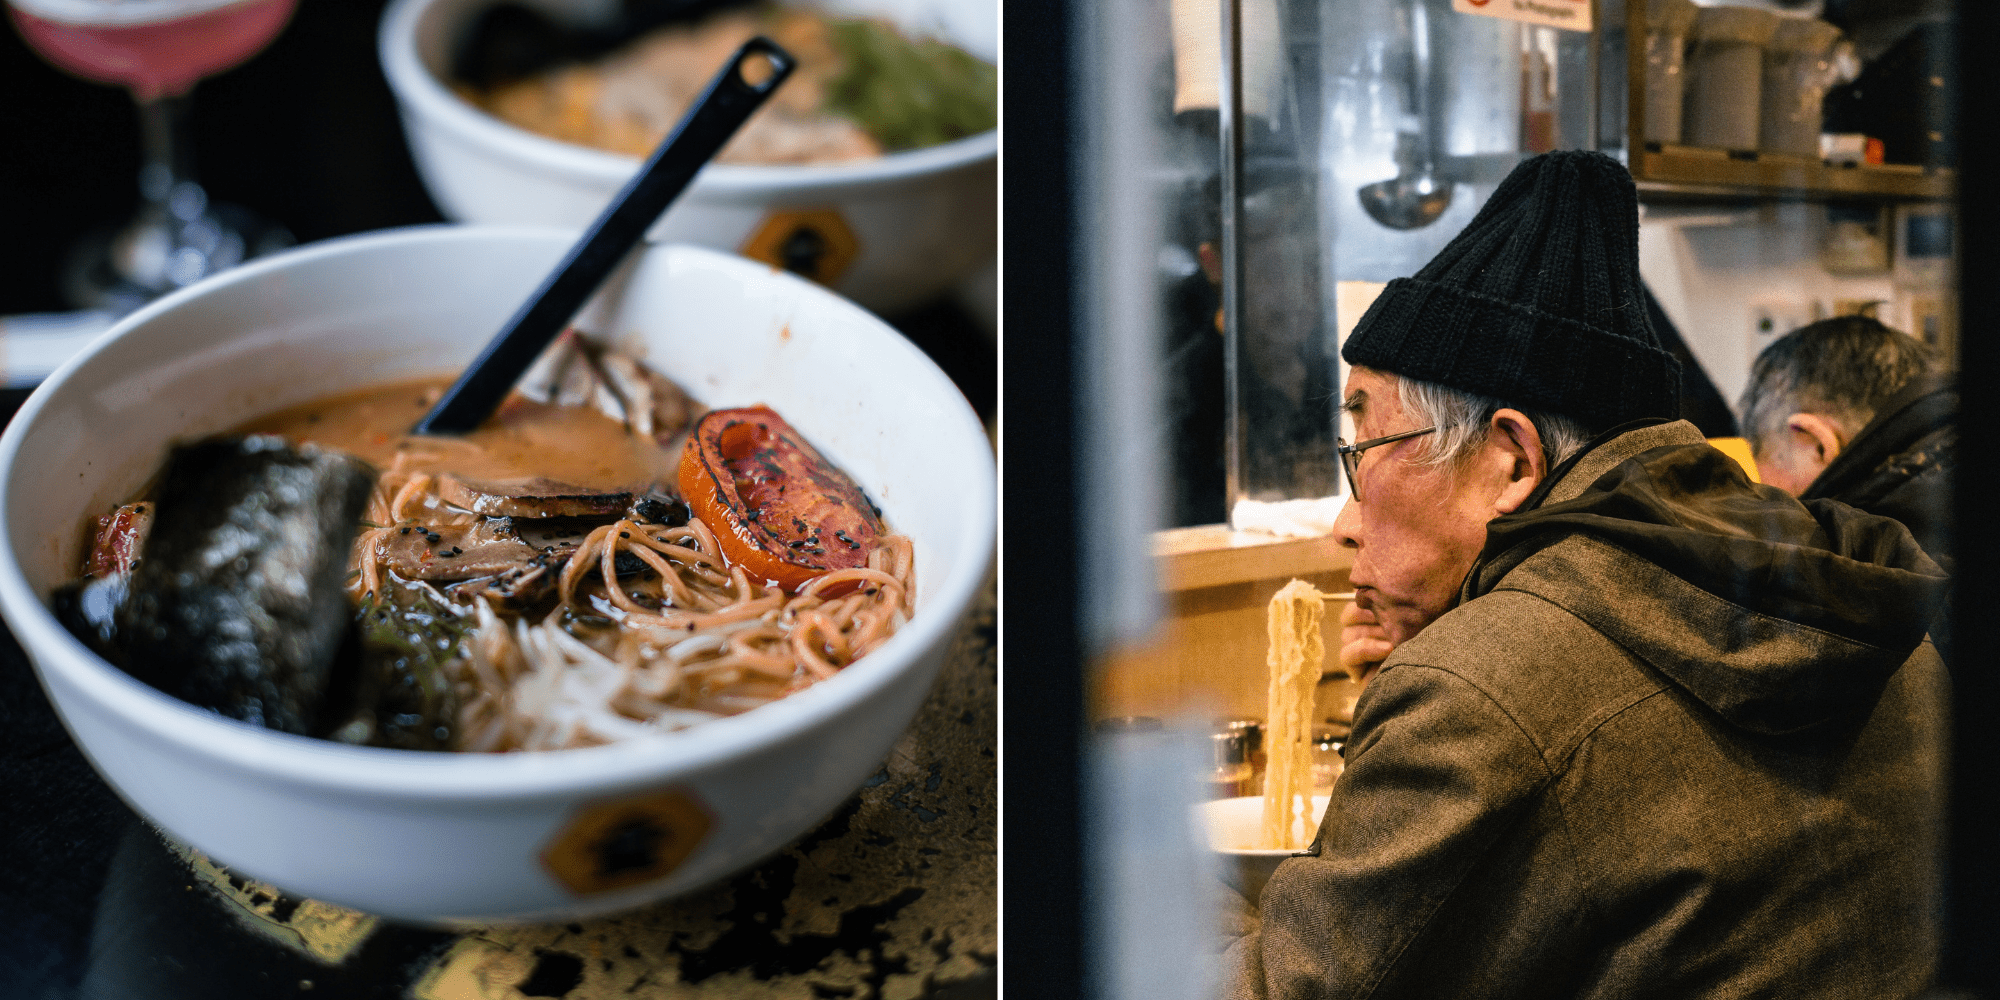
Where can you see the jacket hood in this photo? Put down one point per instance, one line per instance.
(1777, 615)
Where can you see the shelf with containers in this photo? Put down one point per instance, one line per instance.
(1670, 173)
(1744, 124)
(1726, 102)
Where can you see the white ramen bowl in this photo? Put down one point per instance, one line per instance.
(1232, 825)
(440, 837)
(924, 220)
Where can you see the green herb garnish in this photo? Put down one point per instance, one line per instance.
(910, 93)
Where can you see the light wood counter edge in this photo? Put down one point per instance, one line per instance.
(1211, 555)
(1207, 654)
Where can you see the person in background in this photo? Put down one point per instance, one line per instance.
(1849, 409)
(1632, 735)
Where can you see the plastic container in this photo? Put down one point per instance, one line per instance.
(1667, 25)
(1725, 77)
(1798, 69)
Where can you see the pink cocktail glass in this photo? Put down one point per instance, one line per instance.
(157, 49)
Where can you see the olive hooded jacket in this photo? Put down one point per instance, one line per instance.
(1681, 737)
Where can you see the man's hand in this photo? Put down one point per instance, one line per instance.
(1363, 643)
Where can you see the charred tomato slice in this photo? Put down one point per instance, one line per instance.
(777, 508)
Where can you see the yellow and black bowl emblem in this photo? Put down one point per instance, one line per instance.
(620, 843)
(814, 243)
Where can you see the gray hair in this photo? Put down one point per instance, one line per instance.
(1464, 419)
(1842, 369)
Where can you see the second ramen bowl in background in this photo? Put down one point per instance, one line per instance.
(438, 837)
(908, 226)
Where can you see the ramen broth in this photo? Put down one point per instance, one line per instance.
(571, 444)
(540, 583)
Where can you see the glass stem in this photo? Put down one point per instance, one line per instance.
(165, 169)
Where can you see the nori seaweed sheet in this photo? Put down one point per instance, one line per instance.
(237, 602)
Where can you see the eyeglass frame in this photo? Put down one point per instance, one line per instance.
(1350, 455)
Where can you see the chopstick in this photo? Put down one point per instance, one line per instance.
(714, 118)
(1337, 673)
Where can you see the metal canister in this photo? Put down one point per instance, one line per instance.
(1229, 764)
(1251, 731)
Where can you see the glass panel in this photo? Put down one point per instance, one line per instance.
(1280, 373)
(1372, 132)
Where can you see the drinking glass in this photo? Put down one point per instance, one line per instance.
(157, 49)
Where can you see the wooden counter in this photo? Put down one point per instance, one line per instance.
(1207, 658)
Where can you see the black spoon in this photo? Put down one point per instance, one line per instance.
(715, 116)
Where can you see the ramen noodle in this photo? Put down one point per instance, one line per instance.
(604, 558)
(1297, 652)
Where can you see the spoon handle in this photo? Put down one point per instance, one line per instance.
(715, 116)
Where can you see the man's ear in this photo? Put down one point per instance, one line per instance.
(1520, 442)
(1817, 438)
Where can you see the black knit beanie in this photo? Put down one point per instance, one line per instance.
(1537, 302)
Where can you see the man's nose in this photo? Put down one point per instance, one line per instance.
(1347, 525)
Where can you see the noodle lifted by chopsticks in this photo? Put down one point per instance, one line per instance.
(1297, 652)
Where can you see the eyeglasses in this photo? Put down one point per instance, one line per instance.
(1350, 455)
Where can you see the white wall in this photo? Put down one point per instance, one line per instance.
(1733, 279)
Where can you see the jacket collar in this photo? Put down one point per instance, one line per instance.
(1606, 452)
(1567, 481)
(1917, 409)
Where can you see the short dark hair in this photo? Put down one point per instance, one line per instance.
(1842, 369)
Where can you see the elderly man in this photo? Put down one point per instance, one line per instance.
(1647, 729)
(1852, 410)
